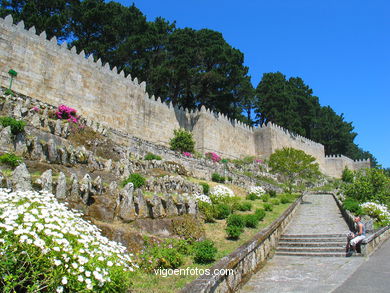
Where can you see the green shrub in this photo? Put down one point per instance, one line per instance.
(207, 210)
(368, 185)
(204, 252)
(347, 175)
(17, 126)
(268, 207)
(222, 211)
(251, 221)
(10, 160)
(215, 177)
(232, 202)
(206, 188)
(167, 258)
(183, 246)
(265, 197)
(188, 227)
(275, 201)
(260, 214)
(234, 232)
(272, 193)
(244, 206)
(236, 220)
(352, 205)
(252, 196)
(9, 92)
(284, 199)
(150, 156)
(230, 179)
(182, 141)
(136, 179)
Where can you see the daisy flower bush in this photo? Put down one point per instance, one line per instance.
(258, 190)
(220, 192)
(201, 197)
(44, 246)
(377, 211)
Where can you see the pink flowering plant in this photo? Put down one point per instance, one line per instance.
(187, 154)
(213, 156)
(67, 113)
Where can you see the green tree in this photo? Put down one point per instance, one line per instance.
(293, 166)
(102, 28)
(273, 104)
(246, 94)
(369, 185)
(53, 16)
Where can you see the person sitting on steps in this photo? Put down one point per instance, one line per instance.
(355, 238)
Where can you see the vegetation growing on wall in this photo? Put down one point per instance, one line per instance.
(182, 141)
(17, 126)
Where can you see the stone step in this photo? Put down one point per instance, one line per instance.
(314, 236)
(311, 254)
(311, 249)
(315, 240)
(312, 244)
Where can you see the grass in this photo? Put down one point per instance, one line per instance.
(86, 135)
(150, 282)
(7, 172)
(216, 231)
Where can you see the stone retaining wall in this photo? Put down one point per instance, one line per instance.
(372, 241)
(245, 260)
(46, 140)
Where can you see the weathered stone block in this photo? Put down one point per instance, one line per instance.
(86, 188)
(126, 211)
(170, 206)
(21, 178)
(141, 206)
(6, 140)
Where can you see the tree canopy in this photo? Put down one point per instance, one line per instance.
(188, 67)
(293, 166)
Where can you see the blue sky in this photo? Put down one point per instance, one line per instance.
(339, 48)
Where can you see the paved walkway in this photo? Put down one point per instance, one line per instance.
(318, 214)
(372, 276)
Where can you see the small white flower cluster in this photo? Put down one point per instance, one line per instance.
(258, 190)
(73, 244)
(201, 197)
(376, 210)
(221, 191)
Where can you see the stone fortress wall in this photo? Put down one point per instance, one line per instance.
(54, 74)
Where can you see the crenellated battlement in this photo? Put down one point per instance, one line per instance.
(55, 74)
(72, 52)
(335, 164)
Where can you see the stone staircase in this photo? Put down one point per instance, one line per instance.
(325, 245)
